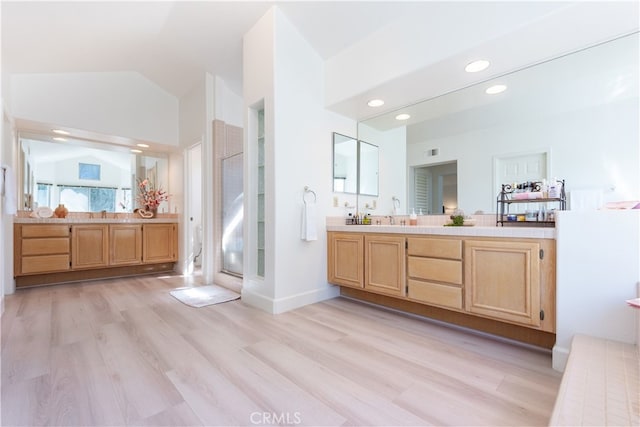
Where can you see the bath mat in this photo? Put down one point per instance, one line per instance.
(202, 296)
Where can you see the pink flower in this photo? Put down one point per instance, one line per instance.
(148, 196)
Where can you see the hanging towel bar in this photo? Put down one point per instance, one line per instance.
(307, 190)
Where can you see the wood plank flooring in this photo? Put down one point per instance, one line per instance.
(124, 352)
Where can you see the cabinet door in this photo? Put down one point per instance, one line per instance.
(89, 246)
(159, 243)
(502, 280)
(346, 259)
(125, 244)
(385, 264)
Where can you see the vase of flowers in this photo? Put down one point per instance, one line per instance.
(150, 198)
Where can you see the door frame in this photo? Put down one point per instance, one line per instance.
(188, 235)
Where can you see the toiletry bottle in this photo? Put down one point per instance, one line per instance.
(413, 218)
(542, 214)
(553, 189)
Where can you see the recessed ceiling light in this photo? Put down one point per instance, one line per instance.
(143, 145)
(133, 150)
(375, 103)
(58, 138)
(403, 116)
(496, 89)
(475, 66)
(60, 132)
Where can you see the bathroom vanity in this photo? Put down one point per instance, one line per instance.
(496, 280)
(48, 251)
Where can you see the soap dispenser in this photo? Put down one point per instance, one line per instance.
(413, 218)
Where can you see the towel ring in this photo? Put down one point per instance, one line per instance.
(307, 190)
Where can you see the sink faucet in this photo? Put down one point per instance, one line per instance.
(391, 219)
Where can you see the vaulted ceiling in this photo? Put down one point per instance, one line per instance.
(173, 43)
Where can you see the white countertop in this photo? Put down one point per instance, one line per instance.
(507, 231)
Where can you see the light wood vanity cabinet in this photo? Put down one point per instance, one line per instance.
(434, 270)
(125, 244)
(55, 253)
(89, 246)
(345, 252)
(159, 243)
(373, 262)
(41, 248)
(508, 280)
(385, 264)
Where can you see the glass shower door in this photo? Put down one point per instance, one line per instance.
(232, 215)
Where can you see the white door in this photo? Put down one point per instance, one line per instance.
(519, 169)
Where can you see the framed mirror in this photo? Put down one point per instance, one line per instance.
(345, 164)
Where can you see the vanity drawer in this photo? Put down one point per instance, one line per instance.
(45, 263)
(436, 248)
(439, 270)
(45, 246)
(434, 293)
(29, 231)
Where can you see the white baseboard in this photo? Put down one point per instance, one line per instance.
(250, 297)
(282, 305)
(296, 301)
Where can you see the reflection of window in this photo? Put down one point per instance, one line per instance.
(338, 184)
(89, 171)
(84, 198)
(88, 199)
(43, 194)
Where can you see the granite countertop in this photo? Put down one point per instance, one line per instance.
(472, 231)
(131, 220)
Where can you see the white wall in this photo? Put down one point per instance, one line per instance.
(258, 76)
(598, 268)
(8, 156)
(191, 120)
(229, 106)
(298, 145)
(111, 103)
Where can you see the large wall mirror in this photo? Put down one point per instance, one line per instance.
(86, 177)
(577, 113)
(355, 166)
(368, 169)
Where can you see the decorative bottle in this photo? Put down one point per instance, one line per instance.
(61, 211)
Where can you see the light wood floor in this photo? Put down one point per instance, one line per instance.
(124, 352)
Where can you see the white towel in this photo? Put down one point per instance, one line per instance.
(309, 229)
(9, 191)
